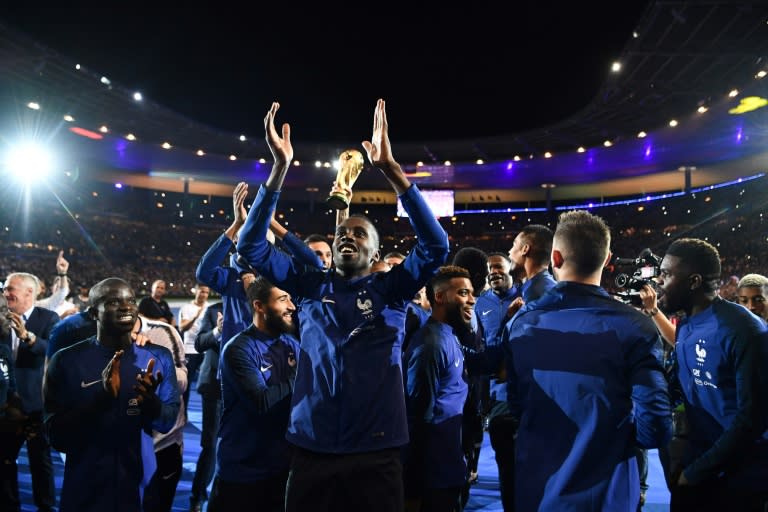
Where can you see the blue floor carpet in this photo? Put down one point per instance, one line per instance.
(484, 496)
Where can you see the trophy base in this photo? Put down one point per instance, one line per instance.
(337, 203)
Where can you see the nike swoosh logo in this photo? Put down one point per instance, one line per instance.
(327, 300)
(84, 384)
(265, 368)
(167, 477)
(487, 312)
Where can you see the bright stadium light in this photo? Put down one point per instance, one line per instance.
(27, 162)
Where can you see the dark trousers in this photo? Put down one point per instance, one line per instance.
(714, 496)
(368, 482)
(262, 495)
(40, 466)
(159, 494)
(193, 362)
(502, 429)
(641, 454)
(472, 440)
(206, 461)
(442, 500)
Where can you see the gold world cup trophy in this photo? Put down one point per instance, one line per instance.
(351, 163)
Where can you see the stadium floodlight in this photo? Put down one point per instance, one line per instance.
(27, 162)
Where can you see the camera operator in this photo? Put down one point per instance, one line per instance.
(719, 354)
(643, 296)
(649, 306)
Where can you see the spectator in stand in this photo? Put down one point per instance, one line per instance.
(155, 307)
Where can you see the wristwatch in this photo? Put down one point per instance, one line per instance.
(652, 312)
(31, 338)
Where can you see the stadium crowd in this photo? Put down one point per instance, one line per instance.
(332, 389)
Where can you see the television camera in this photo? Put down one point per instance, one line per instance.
(646, 267)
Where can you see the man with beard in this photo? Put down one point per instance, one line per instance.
(348, 420)
(258, 368)
(435, 470)
(719, 356)
(234, 316)
(102, 396)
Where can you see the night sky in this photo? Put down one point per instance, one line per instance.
(446, 73)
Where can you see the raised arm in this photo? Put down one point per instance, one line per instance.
(379, 151)
(650, 308)
(432, 246)
(238, 210)
(252, 244)
(209, 269)
(343, 213)
(277, 229)
(282, 151)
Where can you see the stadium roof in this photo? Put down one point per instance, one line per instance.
(687, 64)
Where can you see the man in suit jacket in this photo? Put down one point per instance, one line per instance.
(31, 326)
(208, 342)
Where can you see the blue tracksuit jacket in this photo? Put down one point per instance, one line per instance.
(110, 457)
(349, 386)
(587, 383)
(256, 385)
(721, 362)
